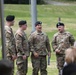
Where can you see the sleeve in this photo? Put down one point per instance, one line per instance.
(71, 40)
(54, 43)
(26, 47)
(19, 47)
(31, 42)
(48, 44)
(27, 52)
(10, 43)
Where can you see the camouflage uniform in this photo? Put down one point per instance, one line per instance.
(62, 41)
(22, 49)
(39, 42)
(10, 44)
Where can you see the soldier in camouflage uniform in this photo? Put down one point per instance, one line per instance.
(40, 47)
(61, 41)
(22, 49)
(10, 40)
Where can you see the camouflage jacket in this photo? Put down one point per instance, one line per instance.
(10, 41)
(39, 43)
(62, 41)
(22, 45)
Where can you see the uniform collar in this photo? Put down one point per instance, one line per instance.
(62, 32)
(39, 33)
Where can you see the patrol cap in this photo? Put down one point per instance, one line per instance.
(38, 22)
(10, 18)
(22, 22)
(59, 24)
(6, 67)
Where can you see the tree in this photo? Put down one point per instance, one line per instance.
(22, 1)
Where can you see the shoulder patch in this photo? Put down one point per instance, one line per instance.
(55, 34)
(7, 29)
(33, 33)
(67, 33)
(19, 33)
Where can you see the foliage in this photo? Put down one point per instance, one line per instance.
(21, 1)
(64, 0)
(16, 1)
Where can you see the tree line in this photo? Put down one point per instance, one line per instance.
(22, 1)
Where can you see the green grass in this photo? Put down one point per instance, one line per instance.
(0, 54)
(42, 10)
(48, 14)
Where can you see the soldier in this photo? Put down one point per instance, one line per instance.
(40, 47)
(22, 49)
(61, 41)
(10, 40)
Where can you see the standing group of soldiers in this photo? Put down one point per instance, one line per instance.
(19, 46)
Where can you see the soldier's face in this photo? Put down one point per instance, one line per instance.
(60, 28)
(39, 27)
(24, 27)
(12, 23)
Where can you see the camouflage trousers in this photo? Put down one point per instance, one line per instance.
(39, 63)
(22, 66)
(60, 63)
(10, 58)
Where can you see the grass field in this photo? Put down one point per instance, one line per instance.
(49, 15)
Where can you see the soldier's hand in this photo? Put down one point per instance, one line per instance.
(36, 54)
(24, 56)
(49, 54)
(14, 57)
(57, 51)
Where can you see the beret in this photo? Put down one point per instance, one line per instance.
(59, 24)
(10, 18)
(22, 22)
(38, 22)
